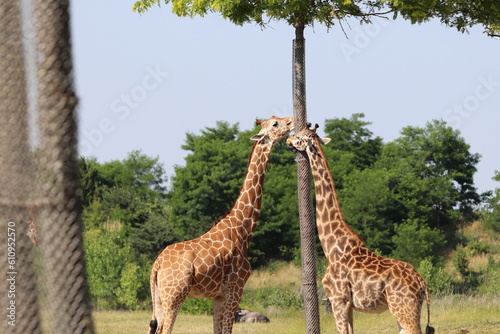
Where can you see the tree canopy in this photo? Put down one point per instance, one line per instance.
(459, 14)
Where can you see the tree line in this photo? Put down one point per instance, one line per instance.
(406, 198)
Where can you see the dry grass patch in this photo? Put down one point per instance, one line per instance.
(286, 275)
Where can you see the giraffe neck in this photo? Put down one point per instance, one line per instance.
(245, 213)
(329, 218)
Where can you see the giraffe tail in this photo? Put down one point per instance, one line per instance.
(155, 296)
(153, 324)
(428, 329)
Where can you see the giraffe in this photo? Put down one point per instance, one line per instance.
(215, 265)
(32, 232)
(357, 278)
(32, 229)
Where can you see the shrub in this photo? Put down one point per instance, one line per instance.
(490, 283)
(461, 262)
(415, 242)
(105, 262)
(438, 281)
(277, 297)
(116, 279)
(197, 306)
(129, 287)
(476, 247)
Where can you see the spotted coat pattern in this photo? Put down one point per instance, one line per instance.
(357, 278)
(215, 265)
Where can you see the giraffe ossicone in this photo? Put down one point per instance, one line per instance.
(357, 278)
(215, 265)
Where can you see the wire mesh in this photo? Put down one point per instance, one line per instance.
(39, 185)
(306, 212)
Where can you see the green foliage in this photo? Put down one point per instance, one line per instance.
(89, 179)
(122, 204)
(436, 170)
(490, 280)
(279, 297)
(476, 247)
(492, 219)
(455, 13)
(470, 280)
(207, 186)
(352, 135)
(422, 176)
(106, 260)
(117, 279)
(415, 241)
(342, 166)
(154, 235)
(405, 198)
(197, 306)
(292, 11)
(461, 262)
(138, 172)
(438, 281)
(129, 286)
(131, 192)
(369, 207)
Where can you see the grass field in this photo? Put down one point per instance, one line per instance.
(449, 315)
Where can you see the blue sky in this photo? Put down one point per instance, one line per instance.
(145, 80)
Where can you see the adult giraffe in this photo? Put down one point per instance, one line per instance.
(357, 278)
(215, 265)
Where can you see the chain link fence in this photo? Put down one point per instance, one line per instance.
(43, 288)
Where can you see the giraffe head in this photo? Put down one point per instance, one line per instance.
(273, 130)
(306, 140)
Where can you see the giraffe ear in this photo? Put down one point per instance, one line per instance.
(257, 137)
(324, 141)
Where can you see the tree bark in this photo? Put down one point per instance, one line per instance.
(306, 212)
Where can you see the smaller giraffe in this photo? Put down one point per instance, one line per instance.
(357, 278)
(32, 229)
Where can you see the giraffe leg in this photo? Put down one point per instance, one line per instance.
(173, 294)
(343, 313)
(408, 319)
(408, 326)
(400, 329)
(171, 307)
(217, 309)
(230, 307)
(224, 309)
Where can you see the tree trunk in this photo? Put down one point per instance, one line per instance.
(68, 306)
(306, 212)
